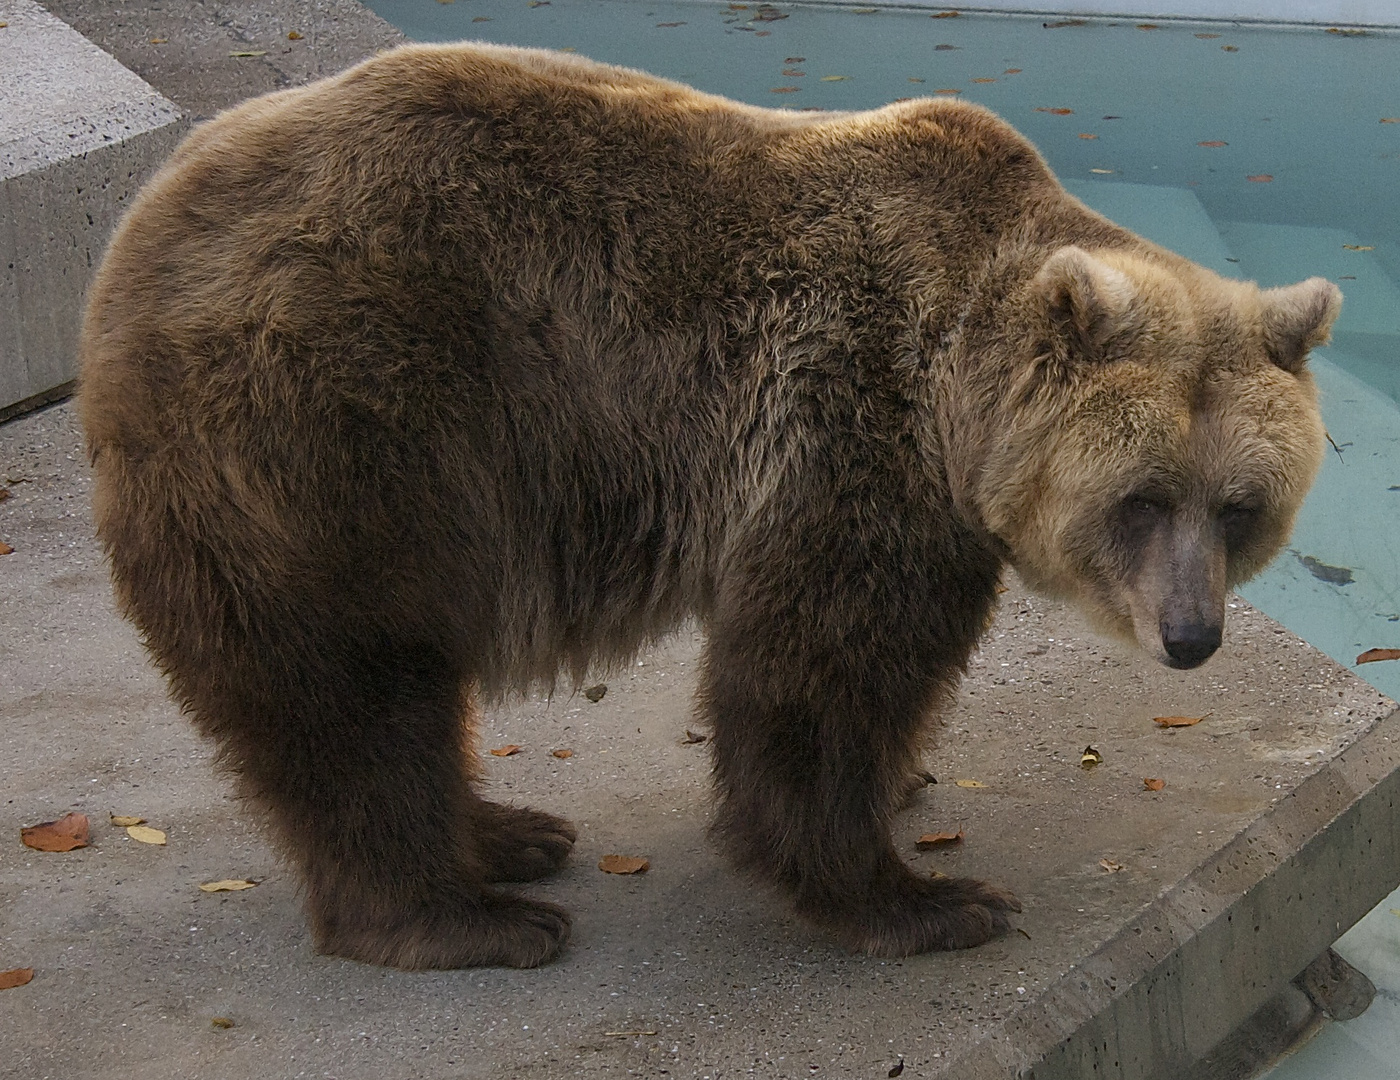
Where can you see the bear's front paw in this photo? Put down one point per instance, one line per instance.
(492, 931)
(518, 844)
(918, 915)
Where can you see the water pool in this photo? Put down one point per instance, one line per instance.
(1270, 153)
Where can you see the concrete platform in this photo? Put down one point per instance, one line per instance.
(1276, 829)
(79, 134)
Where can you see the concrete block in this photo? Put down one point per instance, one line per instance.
(78, 135)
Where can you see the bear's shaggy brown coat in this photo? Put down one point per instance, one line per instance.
(470, 364)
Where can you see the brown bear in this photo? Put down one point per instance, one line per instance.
(422, 383)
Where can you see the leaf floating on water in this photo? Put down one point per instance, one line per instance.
(623, 864)
(1090, 758)
(1012, 71)
(984, 80)
(929, 841)
(1260, 178)
(1371, 656)
(767, 13)
(1230, 48)
(793, 73)
(146, 835)
(506, 751)
(948, 90)
(835, 78)
(945, 15)
(15, 976)
(1087, 135)
(1111, 866)
(1333, 575)
(1207, 37)
(784, 89)
(1390, 119)
(1064, 22)
(1148, 26)
(1178, 721)
(969, 783)
(564, 752)
(1213, 142)
(670, 24)
(1103, 172)
(123, 820)
(912, 79)
(1359, 247)
(68, 833)
(1153, 784)
(795, 60)
(1054, 112)
(1347, 32)
(228, 885)
(946, 48)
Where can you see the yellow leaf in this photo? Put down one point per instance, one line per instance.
(223, 1023)
(1102, 172)
(623, 864)
(122, 820)
(835, 78)
(969, 783)
(1359, 247)
(1111, 866)
(1090, 758)
(145, 834)
(1178, 721)
(227, 885)
(506, 751)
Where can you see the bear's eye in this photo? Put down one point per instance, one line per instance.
(1145, 505)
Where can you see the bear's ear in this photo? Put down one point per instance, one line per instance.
(1297, 317)
(1089, 303)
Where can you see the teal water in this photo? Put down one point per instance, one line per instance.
(1260, 152)
(1305, 180)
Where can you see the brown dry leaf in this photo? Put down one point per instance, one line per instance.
(1178, 721)
(4, 494)
(623, 864)
(1213, 142)
(670, 24)
(5, 549)
(1055, 112)
(67, 833)
(945, 15)
(983, 80)
(1012, 71)
(1090, 758)
(295, 35)
(1370, 656)
(563, 752)
(1087, 135)
(969, 783)
(228, 885)
(692, 737)
(121, 821)
(948, 90)
(1359, 247)
(1207, 37)
(223, 1023)
(784, 89)
(793, 73)
(794, 60)
(931, 840)
(146, 835)
(1230, 48)
(1148, 26)
(595, 693)
(1064, 22)
(1390, 119)
(15, 976)
(912, 79)
(506, 751)
(160, 41)
(1153, 784)
(896, 1070)
(768, 14)
(1111, 866)
(1346, 33)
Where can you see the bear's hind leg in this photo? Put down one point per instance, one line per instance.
(520, 844)
(358, 750)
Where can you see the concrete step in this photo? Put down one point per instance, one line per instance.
(78, 135)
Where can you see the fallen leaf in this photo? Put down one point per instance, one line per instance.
(1090, 758)
(1346, 33)
(122, 820)
(1213, 142)
(896, 1070)
(15, 976)
(948, 90)
(769, 14)
(1012, 71)
(562, 753)
(1102, 172)
(1395, 911)
(623, 864)
(1390, 119)
(793, 73)
(539, 3)
(1064, 22)
(1370, 656)
(482, 18)
(145, 834)
(795, 60)
(1148, 26)
(1111, 866)
(670, 24)
(506, 751)
(1113, 118)
(1207, 37)
(692, 737)
(1023, 933)
(984, 80)
(865, 10)
(1333, 575)
(227, 885)
(160, 41)
(931, 840)
(1261, 178)
(1359, 247)
(969, 783)
(257, 52)
(1087, 135)
(595, 693)
(945, 15)
(912, 79)
(223, 1023)
(1229, 48)
(1178, 721)
(67, 833)
(4, 494)
(5, 549)
(1055, 112)
(1153, 784)
(835, 78)
(784, 89)
(946, 48)
(294, 35)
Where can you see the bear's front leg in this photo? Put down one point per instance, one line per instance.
(817, 714)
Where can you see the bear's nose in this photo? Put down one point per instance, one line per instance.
(1189, 644)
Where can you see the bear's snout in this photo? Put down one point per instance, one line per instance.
(1189, 644)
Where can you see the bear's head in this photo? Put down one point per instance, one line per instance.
(1160, 434)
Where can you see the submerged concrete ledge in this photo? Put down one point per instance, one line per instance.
(79, 133)
(1275, 829)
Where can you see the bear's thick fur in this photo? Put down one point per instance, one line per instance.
(474, 364)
